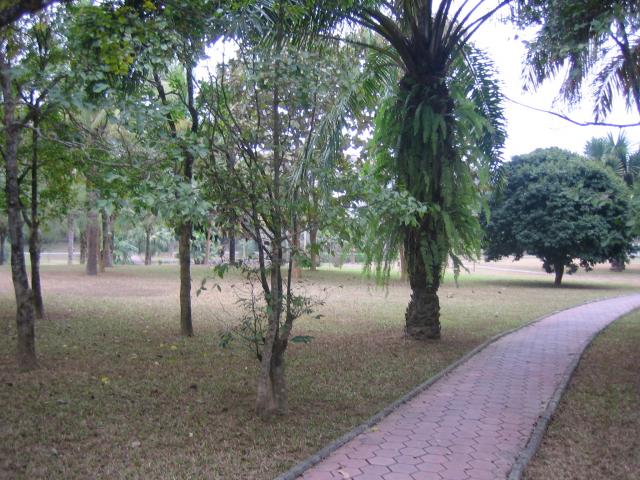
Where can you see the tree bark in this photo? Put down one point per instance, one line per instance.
(207, 247)
(295, 248)
(34, 229)
(272, 386)
(313, 242)
(403, 265)
(107, 255)
(232, 248)
(83, 246)
(184, 252)
(3, 236)
(93, 232)
(558, 268)
(422, 317)
(70, 238)
(25, 320)
(147, 246)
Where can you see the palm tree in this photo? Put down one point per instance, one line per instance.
(615, 154)
(438, 132)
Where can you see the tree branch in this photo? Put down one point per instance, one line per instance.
(571, 120)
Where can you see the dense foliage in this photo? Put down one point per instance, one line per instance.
(561, 208)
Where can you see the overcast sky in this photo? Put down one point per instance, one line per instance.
(528, 129)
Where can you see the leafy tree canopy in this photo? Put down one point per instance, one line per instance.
(561, 208)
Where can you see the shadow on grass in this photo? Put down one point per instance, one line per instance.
(548, 284)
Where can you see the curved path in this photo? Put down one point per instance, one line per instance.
(474, 422)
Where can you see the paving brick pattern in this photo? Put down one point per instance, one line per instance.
(473, 423)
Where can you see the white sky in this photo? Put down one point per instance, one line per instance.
(526, 128)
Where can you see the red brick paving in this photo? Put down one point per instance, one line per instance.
(472, 423)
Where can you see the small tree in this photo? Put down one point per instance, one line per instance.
(561, 208)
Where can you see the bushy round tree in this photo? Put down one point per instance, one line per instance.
(562, 208)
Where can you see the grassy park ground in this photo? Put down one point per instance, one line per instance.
(120, 394)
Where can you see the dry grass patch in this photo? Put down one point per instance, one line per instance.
(595, 433)
(121, 395)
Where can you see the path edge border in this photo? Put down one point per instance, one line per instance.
(540, 428)
(301, 467)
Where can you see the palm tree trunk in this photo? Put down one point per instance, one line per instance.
(422, 317)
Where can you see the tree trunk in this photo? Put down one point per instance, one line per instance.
(83, 246)
(272, 386)
(107, 255)
(616, 265)
(34, 229)
(295, 248)
(34, 255)
(3, 236)
(422, 318)
(558, 268)
(232, 248)
(70, 238)
(272, 395)
(207, 247)
(93, 232)
(313, 242)
(403, 265)
(25, 321)
(337, 255)
(147, 246)
(184, 252)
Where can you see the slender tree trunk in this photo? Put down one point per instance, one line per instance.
(232, 248)
(558, 268)
(107, 255)
(403, 265)
(25, 321)
(93, 232)
(207, 247)
(3, 237)
(184, 252)
(295, 248)
(337, 255)
(313, 242)
(83, 246)
(70, 238)
(34, 229)
(271, 393)
(184, 246)
(147, 246)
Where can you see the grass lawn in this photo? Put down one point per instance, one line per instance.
(120, 394)
(595, 433)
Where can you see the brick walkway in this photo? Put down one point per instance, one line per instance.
(472, 423)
